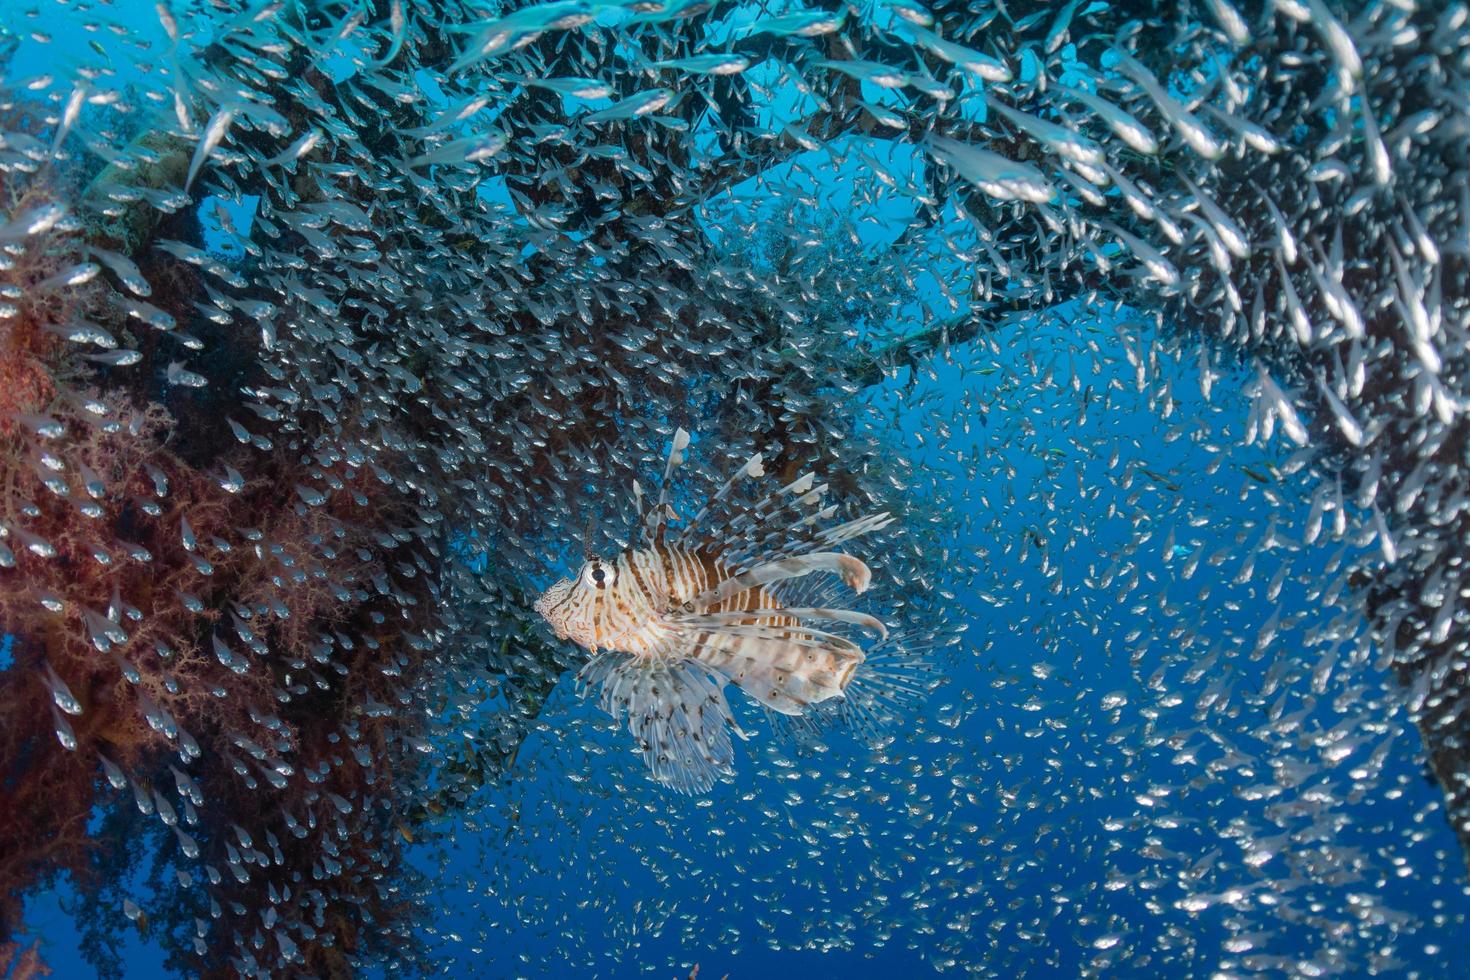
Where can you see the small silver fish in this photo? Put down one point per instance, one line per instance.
(214, 133)
(707, 64)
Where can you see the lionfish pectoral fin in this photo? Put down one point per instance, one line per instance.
(853, 572)
(676, 712)
(871, 623)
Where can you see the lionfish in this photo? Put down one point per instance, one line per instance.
(670, 623)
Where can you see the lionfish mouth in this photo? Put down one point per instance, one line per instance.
(545, 606)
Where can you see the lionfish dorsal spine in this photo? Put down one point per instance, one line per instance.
(751, 469)
(659, 519)
(803, 536)
(740, 533)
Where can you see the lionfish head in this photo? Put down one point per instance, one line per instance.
(569, 604)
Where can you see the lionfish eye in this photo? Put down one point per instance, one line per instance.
(598, 575)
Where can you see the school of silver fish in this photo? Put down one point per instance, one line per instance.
(1162, 367)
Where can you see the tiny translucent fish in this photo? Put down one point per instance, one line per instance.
(240, 433)
(187, 786)
(168, 20)
(1000, 177)
(159, 478)
(1061, 140)
(1194, 133)
(91, 481)
(129, 672)
(113, 772)
(150, 314)
(397, 23)
(42, 425)
(1231, 21)
(1129, 129)
(868, 71)
(64, 733)
(79, 331)
(187, 844)
(1351, 429)
(638, 104)
(706, 64)
(519, 28)
(35, 221)
(1056, 35)
(34, 543)
(309, 496)
(909, 10)
(179, 375)
(75, 275)
(885, 115)
(299, 148)
(1340, 42)
(116, 358)
(1230, 233)
(1281, 406)
(1157, 264)
(214, 133)
(981, 65)
(1252, 134)
(813, 23)
(467, 149)
(580, 88)
(60, 693)
(69, 114)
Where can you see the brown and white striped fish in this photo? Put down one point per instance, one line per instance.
(671, 622)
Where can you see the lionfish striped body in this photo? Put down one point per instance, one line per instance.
(671, 622)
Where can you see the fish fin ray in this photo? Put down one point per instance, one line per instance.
(658, 517)
(853, 572)
(676, 712)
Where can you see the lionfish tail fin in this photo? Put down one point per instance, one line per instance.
(676, 712)
(897, 673)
